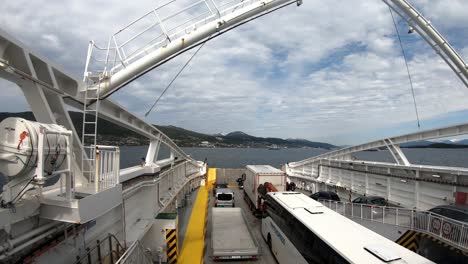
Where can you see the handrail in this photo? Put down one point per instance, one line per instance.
(107, 167)
(183, 21)
(135, 254)
(446, 229)
(88, 257)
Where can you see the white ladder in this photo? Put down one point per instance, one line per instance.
(89, 129)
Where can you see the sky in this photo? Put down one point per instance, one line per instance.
(329, 71)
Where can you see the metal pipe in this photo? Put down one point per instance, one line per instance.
(31, 241)
(18, 240)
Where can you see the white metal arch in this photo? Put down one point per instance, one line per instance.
(120, 68)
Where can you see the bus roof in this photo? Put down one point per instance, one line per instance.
(342, 234)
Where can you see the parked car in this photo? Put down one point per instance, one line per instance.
(325, 195)
(371, 200)
(219, 185)
(371, 206)
(453, 211)
(448, 221)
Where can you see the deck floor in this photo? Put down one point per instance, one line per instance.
(192, 246)
(253, 222)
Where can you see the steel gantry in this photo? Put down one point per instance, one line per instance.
(410, 185)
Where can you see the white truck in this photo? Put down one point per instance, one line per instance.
(268, 179)
(231, 237)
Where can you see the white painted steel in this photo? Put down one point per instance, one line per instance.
(413, 186)
(122, 68)
(455, 233)
(19, 144)
(454, 130)
(396, 152)
(51, 89)
(410, 185)
(107, 166)
(430, 34)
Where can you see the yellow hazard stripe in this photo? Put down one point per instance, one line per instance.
(405, 237)
(211, 178)
(171, 242)
(194, 241)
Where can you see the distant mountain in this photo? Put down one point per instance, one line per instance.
(184, 137)
(111, 134)
(313, 144)
(415, 144)
(454, 141)
(238, 134)
(438, 144)
(108, 133)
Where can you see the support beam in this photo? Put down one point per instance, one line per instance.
(456, 130)
(49, 91)
(396, 152)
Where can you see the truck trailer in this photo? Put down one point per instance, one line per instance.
(231, 237)
(259, 180)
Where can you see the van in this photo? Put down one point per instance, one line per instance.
(224, 198)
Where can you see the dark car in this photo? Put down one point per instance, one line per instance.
(453, 211)
(219, 185)
(444, 220)
(325, 195)
(373, 200)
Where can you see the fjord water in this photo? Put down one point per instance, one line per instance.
(239, 157)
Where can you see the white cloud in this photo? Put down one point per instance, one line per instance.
(51, 41)
(324, 68)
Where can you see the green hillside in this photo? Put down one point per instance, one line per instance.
(111, 134)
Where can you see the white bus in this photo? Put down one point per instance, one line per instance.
(299, 229)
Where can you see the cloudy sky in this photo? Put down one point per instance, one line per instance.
(329, 70)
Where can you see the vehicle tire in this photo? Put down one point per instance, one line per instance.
(269, 241)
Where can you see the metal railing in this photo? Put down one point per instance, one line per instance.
(135, 254)
(152, 31)
(443, 228)
(107, 167)
(107, 250)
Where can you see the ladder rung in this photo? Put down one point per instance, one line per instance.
(90, 110)
(89, 135)
(87, 122)
(89, 146)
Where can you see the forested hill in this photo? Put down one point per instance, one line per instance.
(110, 134)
